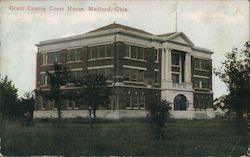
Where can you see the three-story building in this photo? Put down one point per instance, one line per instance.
(139, 67)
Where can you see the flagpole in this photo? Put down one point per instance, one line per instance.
(176, 16)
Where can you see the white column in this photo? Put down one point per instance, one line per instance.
(187, 68)
(168, 59)
(163, 64)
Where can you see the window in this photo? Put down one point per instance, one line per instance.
(77, 104)
(102, 51)
(76, 74)
(140, 53)
(94, 51)
(71, 104)
(134, 52)
(127, 74)
(110, 50)
(196, 83)
(54, 104)
(156, 77)
(43, 59)
(133, 75)
(101, 72)
(156, 55)
(73, 55)
(200, 84)
(142, 101)
(175, 58)
(127, 51)
(44, 79)
(140, 75)
(44, 102)
(135, 102)
(176, 78)
(53, 57)
(202, 64)
(109, 73)
(129, 101)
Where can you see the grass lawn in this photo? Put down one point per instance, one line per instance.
(128, 137)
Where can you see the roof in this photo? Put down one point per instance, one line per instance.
(202, 49)
(115, 25)
(118, 27)
(167, 34)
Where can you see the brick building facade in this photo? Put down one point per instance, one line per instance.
(139, 67)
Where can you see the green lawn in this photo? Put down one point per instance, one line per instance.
(128, 137)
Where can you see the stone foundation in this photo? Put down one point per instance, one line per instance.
(117, 114)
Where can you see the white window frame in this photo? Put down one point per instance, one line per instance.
(130, 101)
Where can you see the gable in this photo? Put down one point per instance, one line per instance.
(180, 38)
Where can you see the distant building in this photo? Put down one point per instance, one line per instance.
(138, 65)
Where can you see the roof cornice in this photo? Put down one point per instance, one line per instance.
(101, 33)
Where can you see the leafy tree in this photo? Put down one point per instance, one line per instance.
(94, 92)
(235, 73)
(8, 97)
(28, 104)
(58, 78)
(158, 115)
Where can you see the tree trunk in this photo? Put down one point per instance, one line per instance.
(94, 109)
(90, 117)
(59, 111)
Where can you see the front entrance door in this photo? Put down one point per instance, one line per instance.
(180, 102)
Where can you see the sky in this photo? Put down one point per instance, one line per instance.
(216, 25)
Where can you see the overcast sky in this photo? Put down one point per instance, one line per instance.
(216, 25)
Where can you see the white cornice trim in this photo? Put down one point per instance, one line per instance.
(101, 67)
(134, 67)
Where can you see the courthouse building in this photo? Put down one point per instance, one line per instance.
(139, 66)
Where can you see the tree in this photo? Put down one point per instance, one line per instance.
(58, 78)
(94, 92)
(28, 104)
(8, 97)
(235, 73)
(158, 115)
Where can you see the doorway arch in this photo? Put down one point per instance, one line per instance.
(180, 102)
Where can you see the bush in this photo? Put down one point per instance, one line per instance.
(158, 115)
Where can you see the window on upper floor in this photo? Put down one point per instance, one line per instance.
(44, 79)
(156, 77)
(141, 75)
(49, 58)
(110, 50)
(73, 55)
(201, 83)
(134, 52)
(175, 59)
(76, 74)
(53, 57)
(176, 78)
(107, 72)
(134, 75)
(156, 55)
(43, 59)
(101, 51)
(202, 64)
